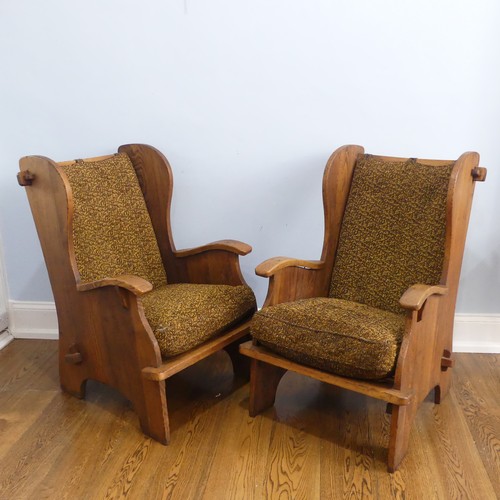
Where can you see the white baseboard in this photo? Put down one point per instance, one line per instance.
(33, 320)
(477, 333)
(5, 338)
(38, 320)
(4, 321)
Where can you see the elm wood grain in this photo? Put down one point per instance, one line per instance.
(335, 436)
(451, 456)
(264, 380)
(135, 284)
(476, 390)
(415, 297)
(270, 266)
(18, 413)
(232, 246)
(241, 460)
(425, 357)
(292, 464)
(40, 362)
(103, 333)
(182, 473)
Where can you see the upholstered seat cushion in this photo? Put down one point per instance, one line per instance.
(185, 315)
(342, 337)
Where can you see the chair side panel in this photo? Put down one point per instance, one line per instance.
(336, 186)
(156, 181)
(107, 326)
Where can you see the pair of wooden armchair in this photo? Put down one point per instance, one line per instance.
(374, 315)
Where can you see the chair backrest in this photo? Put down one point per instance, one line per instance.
(112, 233)
(393, 231)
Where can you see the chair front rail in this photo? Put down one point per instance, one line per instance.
(378, 390)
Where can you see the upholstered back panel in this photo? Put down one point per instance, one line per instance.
(112, 231)
(393, 231)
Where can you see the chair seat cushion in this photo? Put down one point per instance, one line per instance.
(339, 336)
(184, 315)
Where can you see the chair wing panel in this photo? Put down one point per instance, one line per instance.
(156, 181)
(50, 206)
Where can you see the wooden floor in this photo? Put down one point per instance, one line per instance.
(318, 442)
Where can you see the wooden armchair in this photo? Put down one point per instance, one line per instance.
(375, 314)
(132, 309)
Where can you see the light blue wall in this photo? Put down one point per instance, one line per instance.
(247, 100)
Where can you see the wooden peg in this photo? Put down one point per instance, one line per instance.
(25, 178)
(74, 357)
(479, 174)
(446, 363)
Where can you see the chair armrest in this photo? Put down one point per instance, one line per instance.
(216, 263)
(271, 266)
(293, 279)
(415, 297)
(233, 246)
(135, 284)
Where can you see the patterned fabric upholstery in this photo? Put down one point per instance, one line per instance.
(113, 235)
(112, 231)
(393, 231)
(183, 316)
(338, 336)
(392, 237)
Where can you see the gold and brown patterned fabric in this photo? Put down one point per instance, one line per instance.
(392, 237)
(393, 231)
(342, 337)
(184, 315)
(112, 231)
(113, 235)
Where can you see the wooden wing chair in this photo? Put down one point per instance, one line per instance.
(132, 309)
(375, 314)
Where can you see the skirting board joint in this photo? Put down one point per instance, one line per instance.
(5, 339)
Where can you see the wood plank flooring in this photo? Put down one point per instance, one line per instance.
(318, 442)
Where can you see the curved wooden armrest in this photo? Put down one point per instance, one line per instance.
(273, 265)
(233, 246)
(135, 284)
(415, 297)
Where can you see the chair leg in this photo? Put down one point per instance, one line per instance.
(264, 380)
(441, 390)
(241, 364)
(72, 380)
(151, 408)
(401, 420)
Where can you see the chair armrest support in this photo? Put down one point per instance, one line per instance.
(233, 246)
(271, 266)
(135, 284)
(415, 297)
(214, 263)
(293, 279)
